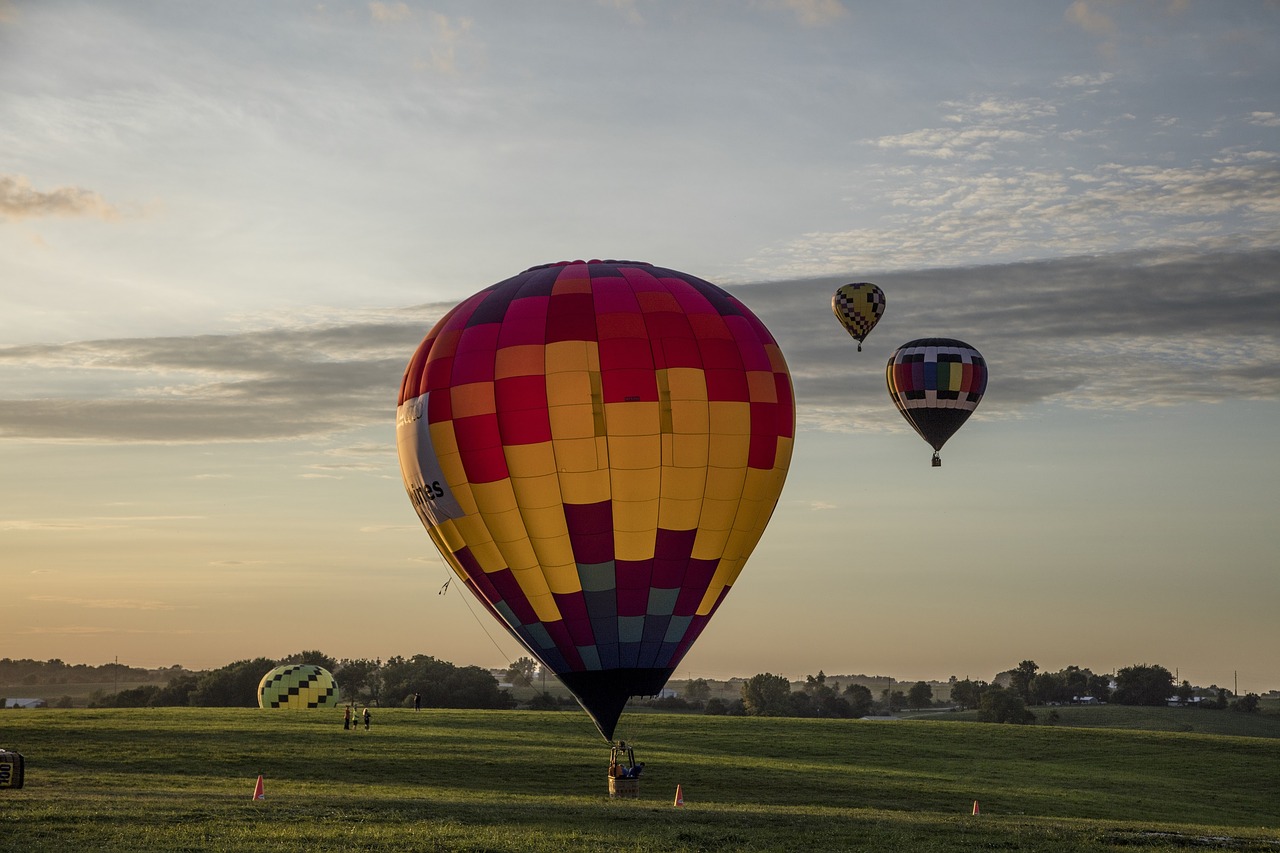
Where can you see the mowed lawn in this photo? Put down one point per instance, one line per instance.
(183, 779)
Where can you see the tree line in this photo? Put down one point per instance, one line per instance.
(440, 684)
(1007, 699)
(390, 683)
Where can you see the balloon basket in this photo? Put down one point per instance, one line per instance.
(625, 789)
(624, 774)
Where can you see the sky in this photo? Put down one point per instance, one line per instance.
(225, 227)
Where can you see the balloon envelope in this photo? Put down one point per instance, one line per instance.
(595, 448)
(936, 383)
(858, 307)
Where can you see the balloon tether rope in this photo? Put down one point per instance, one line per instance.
(483, 627)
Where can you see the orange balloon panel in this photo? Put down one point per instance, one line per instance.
(596, 448)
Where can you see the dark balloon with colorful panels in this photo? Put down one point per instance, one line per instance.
(936, 383)
(596, 447)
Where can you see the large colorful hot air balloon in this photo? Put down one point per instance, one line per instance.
(595, 448)
(858, 307)
(936, 383)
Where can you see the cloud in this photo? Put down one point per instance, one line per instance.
(970, 143)
(626, 7)
(446, 36)
(103, 603)
(945, 213)
(19, 200)
(90, 523)
(1124, 331)
(1084, 80)
(1121, 331)
(255, 386)
(1264, 119)
(810, 13)
(1086, 16)
(390, 13)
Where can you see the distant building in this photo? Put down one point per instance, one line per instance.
(25, 703)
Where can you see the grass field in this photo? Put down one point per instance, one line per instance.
(1203, 721)
(182, 779)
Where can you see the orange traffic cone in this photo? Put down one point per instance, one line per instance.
(679, 796)
(258, 793)
(975, 807)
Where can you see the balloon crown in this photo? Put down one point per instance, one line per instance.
(592, 261)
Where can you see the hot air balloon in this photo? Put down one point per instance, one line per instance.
(595, 448)
(936, 383)
(858, 307)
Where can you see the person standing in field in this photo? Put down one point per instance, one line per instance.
(366, 718)
(346, 718)
(417, 701)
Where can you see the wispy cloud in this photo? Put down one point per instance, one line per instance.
(282, 383)
(20, 200)
(1089, 18)
(986, 191)
(1134, 330)
(103, 603)
(390, 13)
(88, 523)
(810, 13)
(1126, 331)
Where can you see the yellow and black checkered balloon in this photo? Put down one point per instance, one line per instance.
(298, 685)
(858, 307)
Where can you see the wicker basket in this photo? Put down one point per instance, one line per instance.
(628, 788)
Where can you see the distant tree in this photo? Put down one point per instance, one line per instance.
(1004, 705)
(543, 702)
(820, 699)
(967, 693)
(860, 700)
(1075, 682)
(359, 676)
(1099, 687)
(1143, 684)
(799, 704)
(1049, 687)
(441, 684)
(920, 695)
(1247, 704)
(697, 690)
(177, 693)
(521, 671)
(136, 697)
(233, 686)
(1185, 691)
(715, 707)
(890, 700)
(766, 695)
(313, 657)
(1020, 679)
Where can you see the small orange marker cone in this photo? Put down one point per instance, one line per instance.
(679, 796)
(975, 807)
(258, 792)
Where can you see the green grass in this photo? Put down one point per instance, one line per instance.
(1204, 721)
(182, 779)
